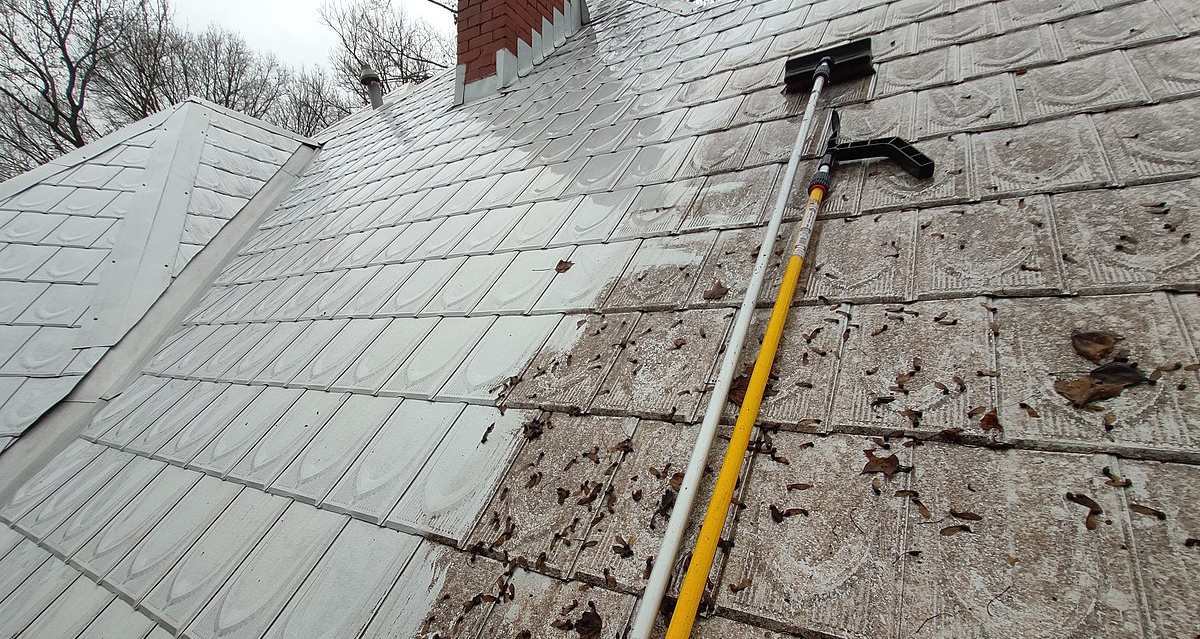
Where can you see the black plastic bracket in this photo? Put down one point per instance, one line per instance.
(899, 151)
(896, 149)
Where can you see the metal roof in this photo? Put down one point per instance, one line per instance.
(446, 379)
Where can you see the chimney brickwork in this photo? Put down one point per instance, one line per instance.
(500, 40)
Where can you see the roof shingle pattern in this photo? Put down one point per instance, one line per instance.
(346, 435)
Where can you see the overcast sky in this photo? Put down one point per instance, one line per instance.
(291, 29)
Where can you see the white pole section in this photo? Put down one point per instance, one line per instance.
(660, 575)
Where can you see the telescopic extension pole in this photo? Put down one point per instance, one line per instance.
(718, 507)
(912, 161)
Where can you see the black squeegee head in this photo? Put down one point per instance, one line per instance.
(848, 61)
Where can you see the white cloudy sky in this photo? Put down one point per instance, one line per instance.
(291, 29)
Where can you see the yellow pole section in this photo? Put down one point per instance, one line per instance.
(718, 506)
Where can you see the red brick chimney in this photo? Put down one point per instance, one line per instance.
(499, 40)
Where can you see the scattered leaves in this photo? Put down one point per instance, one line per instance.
(950, 531)
(965, 514)
(563, 266)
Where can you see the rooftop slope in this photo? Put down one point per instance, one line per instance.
(88, 242)
(318, 451)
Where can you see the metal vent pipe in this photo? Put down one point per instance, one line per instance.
(370, 79)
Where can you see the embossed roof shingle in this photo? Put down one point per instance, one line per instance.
(446, 378)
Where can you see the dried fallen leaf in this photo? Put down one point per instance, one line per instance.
(889, 465)
(1146, 510)
(1029, 410)
(991, 421)
(589, 625)
(741, 585)
(1095, 345)
(1085, 390)
(716, 292)
(949, 531)
(1119, 373)
(563, 266)
(1094, 510)
(1114, 480)
(799, 486)
(965, 514)
(622, 548)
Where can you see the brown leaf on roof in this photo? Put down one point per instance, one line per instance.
(991, 421)
(1094, 509)
(949, 531)
(1119, 373)
(799, 486)
(563, 266)
(589, 625)
(676, 481)
(1114, 480)
(1146, 510)
(623, 549)
(953, 435)
(889, 465)
(716, 292)
(741, 585)
(1085, 390)
(965, 514)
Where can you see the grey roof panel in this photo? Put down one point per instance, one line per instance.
(345, 588)
(450, 491)
(327, 456)
(93, 514)
(71, 612)
(249, 601)
(131, 523)
(118, 621)
(19, 564)
(153, 553)
(206, 566)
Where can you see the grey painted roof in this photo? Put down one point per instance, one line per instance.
(390, 414)
(89, 246)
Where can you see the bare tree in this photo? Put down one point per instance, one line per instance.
(50, 53)
(160, 64)
(129, 86)
(71, 70)
(310, 103)
(376, 33)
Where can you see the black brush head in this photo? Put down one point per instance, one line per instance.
(848, 61)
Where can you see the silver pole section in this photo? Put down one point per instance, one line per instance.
(660, 575)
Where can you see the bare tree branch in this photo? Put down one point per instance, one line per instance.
(376, 33)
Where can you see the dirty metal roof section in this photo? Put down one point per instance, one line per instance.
(88, 242)
(449, 385)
